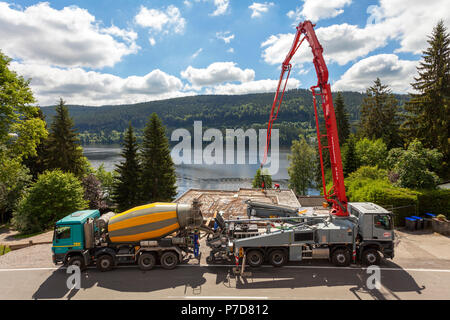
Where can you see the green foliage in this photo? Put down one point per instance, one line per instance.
(350, 159)
(428, 114)
(380, 117)
(103, 125)
(54, 195)
(106, 179)
(370, 184)
(371, 152)
(20, 129)
(14, 178)
(158, 179)
(93, 192)
(415, 167)
(342, 119)
(4, 249)
(126, 186)
(260, 177)
(434, 201)
(302, 166)
(64, 150)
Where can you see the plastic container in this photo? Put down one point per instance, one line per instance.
(419, 222)
(410, 223)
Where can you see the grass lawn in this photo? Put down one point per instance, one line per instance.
(4, 250)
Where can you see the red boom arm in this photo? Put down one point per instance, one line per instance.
(336, 195)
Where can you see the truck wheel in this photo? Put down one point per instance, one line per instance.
(105, 263)
(77, 261)
(371, 257)
(146, 261)
(341, 258)
(255, 258)
(278, 258)
(169, 260)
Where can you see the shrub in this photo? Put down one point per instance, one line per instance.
(441, 217)
(53, 196)
(371, 152)
(414, 168)
(93, 192)
(434, 201)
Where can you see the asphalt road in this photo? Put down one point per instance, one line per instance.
(317, 281)
(420, 270)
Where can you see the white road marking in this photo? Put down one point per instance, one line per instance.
(229, 266)
(217, 297)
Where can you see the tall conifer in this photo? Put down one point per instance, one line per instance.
(126, 186)
(158, 179)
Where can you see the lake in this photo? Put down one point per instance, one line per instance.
(223, 177)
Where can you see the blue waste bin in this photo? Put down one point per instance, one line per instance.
(427, 220)
(410, 223)
(419, 222)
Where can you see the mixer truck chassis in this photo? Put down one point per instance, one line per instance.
(159, 233)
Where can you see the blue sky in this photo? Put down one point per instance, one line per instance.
(113, 52)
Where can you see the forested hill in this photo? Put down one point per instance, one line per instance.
(107, 123)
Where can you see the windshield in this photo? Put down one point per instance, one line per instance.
(62, 232)
(383, 221)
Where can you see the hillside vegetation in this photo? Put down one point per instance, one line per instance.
(107, 124)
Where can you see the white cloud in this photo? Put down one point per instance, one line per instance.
(70, 37)
(408, 21)
(396, 73)
(161, 21)
(225, 36)
(342, 44)
(152, 41)
(218, 72)
(315, 10)
(221, 7)
(259, 8)
(78, 86)
(231, 50)
(259, 86)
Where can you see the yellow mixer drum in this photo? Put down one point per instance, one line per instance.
(148, 222)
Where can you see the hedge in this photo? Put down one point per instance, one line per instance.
(434, 201)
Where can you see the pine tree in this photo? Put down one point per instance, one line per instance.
(380, 115)
(342, 119)
(126, 186)
(302, 165)
(262, 177)
(351, 160)
(428, 114)
(63, 145)
(158, 179)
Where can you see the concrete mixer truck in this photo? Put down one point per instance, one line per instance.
(164, 233)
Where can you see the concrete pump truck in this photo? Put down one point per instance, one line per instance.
(358, 232)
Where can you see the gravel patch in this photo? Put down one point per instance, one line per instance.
(38, 256)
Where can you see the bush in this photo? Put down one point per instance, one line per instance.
(415, 167)
(370, 184)
(434, 201)
(53, 196)
(371, 152)
(93, 192)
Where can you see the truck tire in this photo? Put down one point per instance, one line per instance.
(254, 258)
(341, 257)
(371, 257)
(77, 261)
(146, 261)
(278, 258)
(105, 263)
(169, 260)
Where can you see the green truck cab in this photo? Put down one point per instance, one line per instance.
(69, 238)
